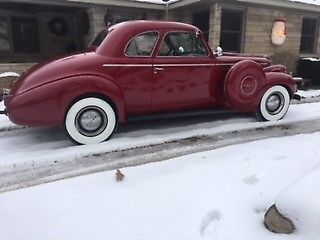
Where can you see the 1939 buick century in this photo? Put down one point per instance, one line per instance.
(142, 67)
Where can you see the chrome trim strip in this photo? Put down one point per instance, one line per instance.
(185, 65)
(127, 65)
(169, 65)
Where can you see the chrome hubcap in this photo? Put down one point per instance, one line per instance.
(91, 121)
(275, 103)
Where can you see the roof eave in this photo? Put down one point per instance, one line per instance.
(285, 4)
(121, 3)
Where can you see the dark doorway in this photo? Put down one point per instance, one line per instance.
(201, 20)
(25, 35)
(231, 30)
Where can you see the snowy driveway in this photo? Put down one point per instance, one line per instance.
(221, 194)
(29, 154)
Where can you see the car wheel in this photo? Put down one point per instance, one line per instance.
(274, 104)
(90, 120)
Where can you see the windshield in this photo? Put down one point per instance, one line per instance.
(99, 38)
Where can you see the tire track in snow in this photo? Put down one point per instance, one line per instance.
(33, 175)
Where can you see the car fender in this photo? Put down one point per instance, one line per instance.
(275, 68)
(77, 87)
(273, 79)
(279, 78)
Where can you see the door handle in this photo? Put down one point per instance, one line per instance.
(156, 69)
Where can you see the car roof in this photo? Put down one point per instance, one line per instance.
(155, 24)
(120, 34)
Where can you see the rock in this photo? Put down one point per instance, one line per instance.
(276, 222)
(119, 176)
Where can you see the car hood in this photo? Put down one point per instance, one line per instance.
(53, 70)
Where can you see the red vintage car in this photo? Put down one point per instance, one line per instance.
(144, 67)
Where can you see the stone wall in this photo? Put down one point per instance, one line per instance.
(96, 18)
(259, 26)
(215, 25)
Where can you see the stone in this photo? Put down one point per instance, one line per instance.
(276, 222)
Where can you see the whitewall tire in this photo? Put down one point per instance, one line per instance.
(90, 120)
(274, 104)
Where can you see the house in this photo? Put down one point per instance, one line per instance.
(34, 30)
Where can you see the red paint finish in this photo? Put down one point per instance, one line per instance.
(142, 84)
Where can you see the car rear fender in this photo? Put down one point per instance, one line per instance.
(79, 87)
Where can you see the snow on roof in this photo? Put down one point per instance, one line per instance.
(157, 1)
(315, 2)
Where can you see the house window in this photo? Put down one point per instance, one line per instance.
(308, 35)
(4, 35)
(25, 35)
(201, 20)
(231, 30)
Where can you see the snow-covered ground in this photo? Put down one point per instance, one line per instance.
(38, 147)
(312, 93)
(300, 203)
(221, 194)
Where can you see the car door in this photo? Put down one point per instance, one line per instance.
(182, 72)
(135, 72)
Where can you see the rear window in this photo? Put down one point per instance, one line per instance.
(99, 38)
(142, 44)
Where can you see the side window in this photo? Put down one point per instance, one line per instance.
(142, 45)
(182, 44)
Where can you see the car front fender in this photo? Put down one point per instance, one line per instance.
(283, 79)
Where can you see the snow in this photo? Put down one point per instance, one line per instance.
(312, 93)
(312, 59)
(315, 2)
(300, 203)
(221, 194)
(9, 74)
(45, 146)
(157, 1)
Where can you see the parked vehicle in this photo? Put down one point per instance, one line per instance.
(145, 67)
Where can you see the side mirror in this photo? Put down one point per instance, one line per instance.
(219, 51)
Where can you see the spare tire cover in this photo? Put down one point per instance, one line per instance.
(243, 84)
